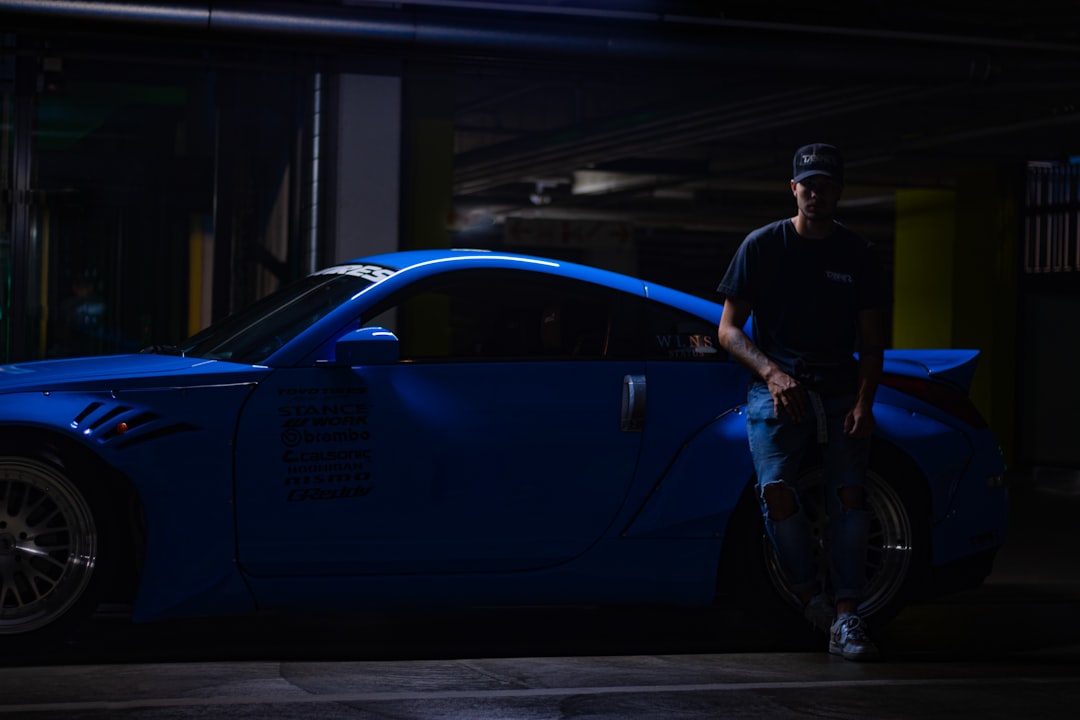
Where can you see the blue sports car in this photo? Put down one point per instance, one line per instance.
(450, 427)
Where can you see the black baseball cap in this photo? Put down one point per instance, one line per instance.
(818, 159)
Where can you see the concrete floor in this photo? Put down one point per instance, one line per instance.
(753, 685)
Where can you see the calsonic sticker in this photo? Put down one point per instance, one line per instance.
(371, 273)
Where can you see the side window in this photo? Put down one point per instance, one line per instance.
(485, 315)
(677, 335)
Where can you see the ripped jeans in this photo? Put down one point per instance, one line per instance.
(778, 446)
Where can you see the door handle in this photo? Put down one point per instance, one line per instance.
(633, 403)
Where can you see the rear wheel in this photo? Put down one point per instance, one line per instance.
(897, 552)
(51, 549)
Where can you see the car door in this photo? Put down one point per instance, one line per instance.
(495, 443)
(695, 457)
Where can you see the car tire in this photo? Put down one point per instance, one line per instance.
(897, 556)
(55, 543)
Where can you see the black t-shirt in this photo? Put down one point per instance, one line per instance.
(806, 296)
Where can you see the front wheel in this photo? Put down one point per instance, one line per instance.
(50, 549)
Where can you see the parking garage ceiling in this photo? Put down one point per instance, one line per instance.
(701, 136)
(680, 114)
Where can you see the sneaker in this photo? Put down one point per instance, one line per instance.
(848, 639)
(820, 612)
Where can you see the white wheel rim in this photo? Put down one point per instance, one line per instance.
(48, 545)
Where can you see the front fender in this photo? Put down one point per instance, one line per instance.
(174, 445)
(698, 491)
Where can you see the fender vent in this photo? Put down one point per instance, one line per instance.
(123, 426)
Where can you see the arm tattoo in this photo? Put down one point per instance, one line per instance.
(747, 353)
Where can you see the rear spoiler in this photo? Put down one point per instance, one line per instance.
(954, 367)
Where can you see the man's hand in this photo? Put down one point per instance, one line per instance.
(789, 397)
(859, 421)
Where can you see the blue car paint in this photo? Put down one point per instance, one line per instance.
(694, 497)
(651, 532)
(685, 401)
(969, 513)
(177, 455)
(95, 371)
(615, 571)
(440, 496)
(956, 367)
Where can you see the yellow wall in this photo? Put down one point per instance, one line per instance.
(923, 268)
(955, 269)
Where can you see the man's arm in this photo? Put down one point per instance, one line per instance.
(860, 420)
(787, 394)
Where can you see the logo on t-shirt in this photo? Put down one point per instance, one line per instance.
(839, 277)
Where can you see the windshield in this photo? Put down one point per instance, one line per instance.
(254, 333)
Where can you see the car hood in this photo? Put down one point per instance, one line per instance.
(115, 370)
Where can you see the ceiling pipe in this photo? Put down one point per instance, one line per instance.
(453, 29)
(183, 15)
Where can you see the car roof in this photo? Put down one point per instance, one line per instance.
(434, 260)
(413, 265)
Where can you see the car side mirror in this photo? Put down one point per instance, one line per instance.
(367, 346)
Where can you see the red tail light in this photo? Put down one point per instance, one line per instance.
(941, 396)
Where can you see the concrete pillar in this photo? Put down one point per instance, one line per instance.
(366, 190)
(428, 161)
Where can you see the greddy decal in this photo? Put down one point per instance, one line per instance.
(325, 443)
(302, 494)
(372, 273)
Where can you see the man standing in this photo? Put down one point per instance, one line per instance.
(814, 291)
